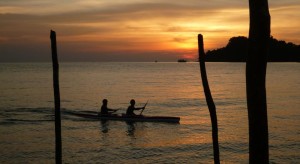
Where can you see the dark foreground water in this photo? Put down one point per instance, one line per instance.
(173, 89)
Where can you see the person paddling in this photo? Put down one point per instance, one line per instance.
(131, 108)
(105, 110)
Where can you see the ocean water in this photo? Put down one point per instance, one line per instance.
(172, 89)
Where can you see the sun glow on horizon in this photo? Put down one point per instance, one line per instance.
(142, 27)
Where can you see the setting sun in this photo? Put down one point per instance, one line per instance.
(131, 30)
(149, 81)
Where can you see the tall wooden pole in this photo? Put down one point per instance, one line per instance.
(256, 66)
(209, 100)
(58, 149)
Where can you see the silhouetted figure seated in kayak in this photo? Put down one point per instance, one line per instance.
(131, 108)
(105, 111)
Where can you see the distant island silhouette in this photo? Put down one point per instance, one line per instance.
(181, 60)
(236, 51)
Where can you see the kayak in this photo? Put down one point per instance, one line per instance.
(135, 118)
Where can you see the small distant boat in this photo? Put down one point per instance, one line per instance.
(136, 118)
(181, 60)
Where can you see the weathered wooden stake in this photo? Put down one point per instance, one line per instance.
(209, 100)
(58, 149)
(256, 66)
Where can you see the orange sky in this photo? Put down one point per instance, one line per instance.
(132, 30)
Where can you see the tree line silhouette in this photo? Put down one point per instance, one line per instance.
(236, 51)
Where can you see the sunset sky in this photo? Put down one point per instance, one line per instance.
(130, 30)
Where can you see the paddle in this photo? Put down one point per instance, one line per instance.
(144, 107)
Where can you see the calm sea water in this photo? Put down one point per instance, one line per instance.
(173, 89)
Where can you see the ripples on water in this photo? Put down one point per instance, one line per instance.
(173, 89)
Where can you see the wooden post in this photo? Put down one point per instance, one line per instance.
(209, 100)
(256, 66)
(58, 149)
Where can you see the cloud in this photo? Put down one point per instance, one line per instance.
(96, 28)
